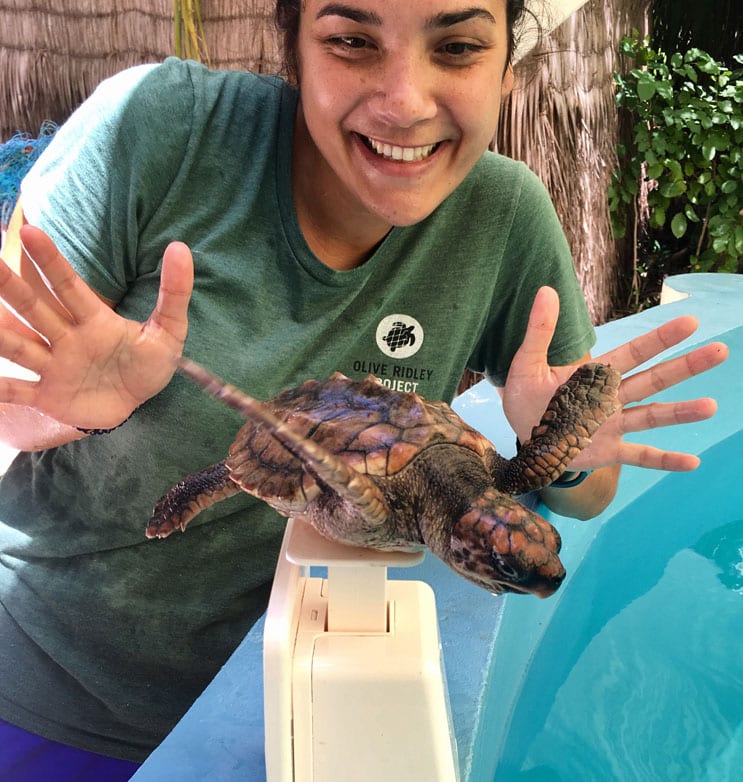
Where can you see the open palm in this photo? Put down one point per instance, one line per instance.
(532, 381)
(94, 367)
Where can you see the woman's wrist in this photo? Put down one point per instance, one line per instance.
(84, 430)
(587, 498)
(570, 479)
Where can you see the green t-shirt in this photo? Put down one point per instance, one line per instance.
(108, 637)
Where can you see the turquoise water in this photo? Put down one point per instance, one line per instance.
(639, 675)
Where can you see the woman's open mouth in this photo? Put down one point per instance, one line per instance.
(399, 154)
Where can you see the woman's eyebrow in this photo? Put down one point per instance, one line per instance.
(348, 12)
(443, 19)
(448, 19)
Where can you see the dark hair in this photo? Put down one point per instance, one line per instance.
(287, 13)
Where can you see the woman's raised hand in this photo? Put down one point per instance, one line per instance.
(531, 383)
(94, 367)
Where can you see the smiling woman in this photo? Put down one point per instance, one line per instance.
(272, 232)
(397, 104)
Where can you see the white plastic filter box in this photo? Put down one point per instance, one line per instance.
(353, 679)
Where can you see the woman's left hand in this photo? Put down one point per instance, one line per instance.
(532, 381)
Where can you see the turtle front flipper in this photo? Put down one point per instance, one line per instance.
(576, 411)
(189, 497)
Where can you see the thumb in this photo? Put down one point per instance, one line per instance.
(541, 326)
(176, 285)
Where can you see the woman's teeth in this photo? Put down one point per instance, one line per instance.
(404, 154)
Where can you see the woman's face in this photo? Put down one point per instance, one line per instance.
(400, 98)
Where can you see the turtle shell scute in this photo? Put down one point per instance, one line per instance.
(372, 428)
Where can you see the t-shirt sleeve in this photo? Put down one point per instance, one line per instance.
(536, 254)
(107, 171)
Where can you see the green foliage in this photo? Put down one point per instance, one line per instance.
(686, 157)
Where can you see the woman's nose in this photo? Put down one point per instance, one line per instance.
(404, 96)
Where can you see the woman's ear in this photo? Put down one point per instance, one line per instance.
(507, 83)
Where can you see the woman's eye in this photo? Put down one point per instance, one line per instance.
(348, 42)
(459, 49)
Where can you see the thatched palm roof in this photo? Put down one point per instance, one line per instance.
(53, 53)
(561, 120)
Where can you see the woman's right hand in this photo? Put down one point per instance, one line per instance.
(94, 367)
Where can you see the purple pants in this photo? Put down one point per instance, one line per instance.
(26, 757)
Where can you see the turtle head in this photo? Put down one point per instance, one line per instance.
(502, 546)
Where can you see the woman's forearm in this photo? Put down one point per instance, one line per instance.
(588, 498)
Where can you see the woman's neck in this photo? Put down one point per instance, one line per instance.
(337, 228)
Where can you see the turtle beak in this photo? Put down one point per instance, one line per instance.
(542, 590)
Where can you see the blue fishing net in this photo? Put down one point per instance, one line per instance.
(17, 155)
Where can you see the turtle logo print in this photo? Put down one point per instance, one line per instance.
(399, 336)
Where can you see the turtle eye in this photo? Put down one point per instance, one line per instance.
(504, 567)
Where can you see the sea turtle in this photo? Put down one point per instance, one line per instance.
(368, 466)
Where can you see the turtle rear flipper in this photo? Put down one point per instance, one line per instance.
(575, 412)
(188, 498)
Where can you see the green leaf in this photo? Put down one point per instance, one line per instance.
(739, 240)
(729, 186)
(673, 189)
(694, 54)
(718, 141)
(664, 89)
(674, 168)
(691, 215)
(718, 227)
(646, 87)
(708, 151)
(658, 218)
(678, 225)
(654, 171)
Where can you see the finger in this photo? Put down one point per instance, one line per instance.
(9, 321)
(540, 328)
(651, 458)
(669, 373)
(69, 288)
(25, 303)
(14, 391)
(643, 417)
(176, 285)
(641, 349)
(26, 352)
